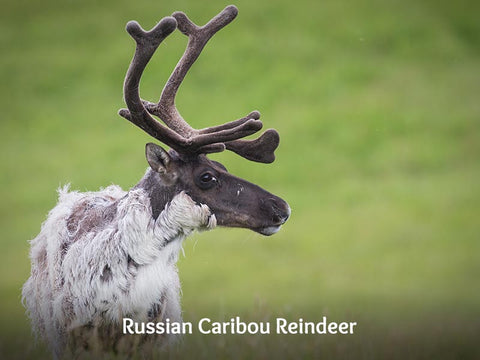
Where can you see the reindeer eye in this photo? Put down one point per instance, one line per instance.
(206, 180)
(207, 177)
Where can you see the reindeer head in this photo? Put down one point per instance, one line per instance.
(185, 167)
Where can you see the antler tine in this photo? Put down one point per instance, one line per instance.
(254, 115)
(259, 150)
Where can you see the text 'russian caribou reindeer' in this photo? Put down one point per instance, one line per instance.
(107, 255)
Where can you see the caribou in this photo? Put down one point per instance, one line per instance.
(104, 256)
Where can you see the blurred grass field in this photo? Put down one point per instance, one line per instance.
(377, 105)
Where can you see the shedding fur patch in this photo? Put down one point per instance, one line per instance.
(100, 256)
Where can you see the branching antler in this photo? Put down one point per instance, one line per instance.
(177, 133)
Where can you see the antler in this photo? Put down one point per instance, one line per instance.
(179, 134)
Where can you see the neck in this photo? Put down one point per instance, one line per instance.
(160, 194)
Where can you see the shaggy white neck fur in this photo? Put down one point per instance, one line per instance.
(102, 273)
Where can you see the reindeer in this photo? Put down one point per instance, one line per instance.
(103, 256)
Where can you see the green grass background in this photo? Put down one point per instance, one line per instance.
(377, 104)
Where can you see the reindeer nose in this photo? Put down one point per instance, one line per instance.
(281, 210)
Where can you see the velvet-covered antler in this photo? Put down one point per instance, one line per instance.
(177, 133)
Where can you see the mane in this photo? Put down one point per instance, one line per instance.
(101, 256)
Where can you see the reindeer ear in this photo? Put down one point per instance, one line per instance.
(158, 159)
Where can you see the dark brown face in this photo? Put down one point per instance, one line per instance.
(234, 202)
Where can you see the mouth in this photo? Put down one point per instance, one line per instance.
(269, 230)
